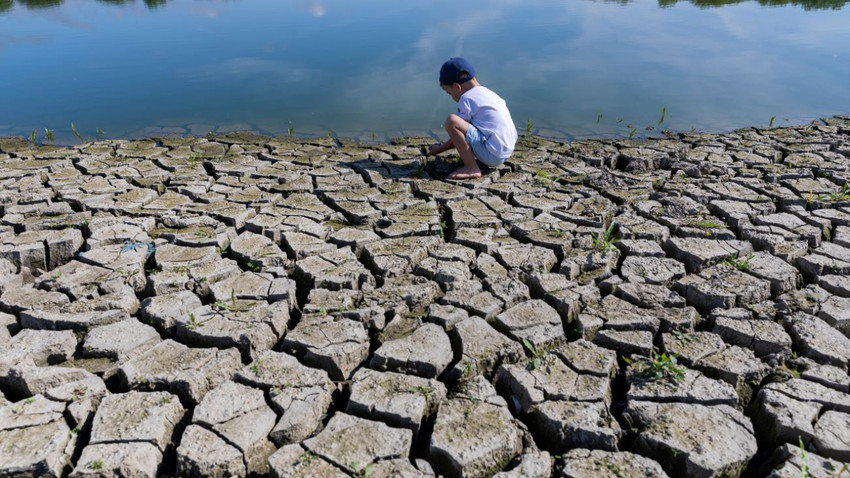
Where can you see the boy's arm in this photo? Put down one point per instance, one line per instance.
(440, 148)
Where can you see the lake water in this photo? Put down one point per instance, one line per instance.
(369, 69)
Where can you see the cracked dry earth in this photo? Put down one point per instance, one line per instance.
(241, 305)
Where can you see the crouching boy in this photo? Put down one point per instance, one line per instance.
(482, 128)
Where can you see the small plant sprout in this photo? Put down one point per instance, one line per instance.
(76, 133)
(422, 390)
(804, 463)
(255, 368)
(99, 132)
(604, 242)
(192, 322)
(740, 264)
(632, 133)
(663, 113)
(95, 465)
(306, 458)
(537, 354)
(772, 119)
(441, 231)
(359, 472)
(684, 338)
(659, 367)
(48, 133)
(289, 130)
(842, 195)
(528, 127)
(544, 179)
(468, 367)
(701, 224)
(34, 138)
(599, 116)
(78, 393)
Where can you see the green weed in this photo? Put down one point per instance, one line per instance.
(364, 472)
(842, 195)
(604, 242)
(48, 134)
(528, 127)
(468, 366)
(193, 323)
(76, 133)
(78, 393)
(772, 119)
(599, 116)
(659, 367)
(255, 368)
(542, 178)
(740, 264)
(684, 339)
(95, 465)
(306, 458)
(233, 305)
(537, 354)
(424, 391)
(34, 138)
(632, 133)
(705, 224)
(804, 463)
(615, 469)
(663, 113)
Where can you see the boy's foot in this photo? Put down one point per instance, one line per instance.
(465, 173)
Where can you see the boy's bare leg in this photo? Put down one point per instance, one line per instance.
(456, 127)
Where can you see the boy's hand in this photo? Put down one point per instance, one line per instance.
(433, 150)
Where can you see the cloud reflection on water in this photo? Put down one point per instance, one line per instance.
(334, 64)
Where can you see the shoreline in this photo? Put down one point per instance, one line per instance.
(371, 137)
(603, 304)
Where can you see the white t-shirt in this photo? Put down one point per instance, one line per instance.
(488, 112)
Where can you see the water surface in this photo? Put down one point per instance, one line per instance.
(369, 68)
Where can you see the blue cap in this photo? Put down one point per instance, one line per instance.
(452, 69)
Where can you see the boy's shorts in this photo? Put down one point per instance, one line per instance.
(478, 143)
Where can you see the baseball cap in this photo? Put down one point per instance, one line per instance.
(452, 69)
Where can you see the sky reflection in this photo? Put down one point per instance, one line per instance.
(131, 67)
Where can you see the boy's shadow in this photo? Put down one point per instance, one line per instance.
(440, 167)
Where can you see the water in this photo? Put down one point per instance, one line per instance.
(369, 69)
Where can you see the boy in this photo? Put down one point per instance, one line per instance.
(482, 127)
